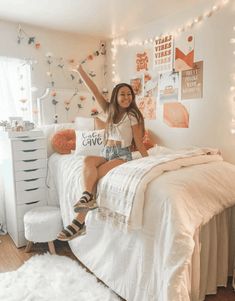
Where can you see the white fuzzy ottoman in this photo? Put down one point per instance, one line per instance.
(42, 224)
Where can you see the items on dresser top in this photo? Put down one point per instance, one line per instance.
(24, 174)
(17, 124)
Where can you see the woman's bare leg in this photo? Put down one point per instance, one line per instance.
(100, 172)
(90, 174)
(94, 169)
(103, 169)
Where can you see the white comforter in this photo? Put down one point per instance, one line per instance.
(172, 213)
(121, 193)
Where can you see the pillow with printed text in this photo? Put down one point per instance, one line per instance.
(89, 143)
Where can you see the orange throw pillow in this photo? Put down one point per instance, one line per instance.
(147, 141)
(64, 141)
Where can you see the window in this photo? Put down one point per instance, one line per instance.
(15, 89)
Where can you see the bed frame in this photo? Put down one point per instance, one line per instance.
(48, 105)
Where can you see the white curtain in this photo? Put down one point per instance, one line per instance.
(15, 100)
(15, 88)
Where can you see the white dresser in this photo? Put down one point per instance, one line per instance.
(24, 174)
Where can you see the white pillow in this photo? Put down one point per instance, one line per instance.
(89, 143)
(85, 123)
(50, 129)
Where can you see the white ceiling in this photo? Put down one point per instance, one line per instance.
(100, 18)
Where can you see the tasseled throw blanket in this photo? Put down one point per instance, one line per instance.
(121, 191)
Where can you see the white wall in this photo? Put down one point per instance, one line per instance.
(210, 117)
(61, 44)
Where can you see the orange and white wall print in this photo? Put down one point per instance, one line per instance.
(137, 84)
(150, 84)
(176, 115)
(147, 106)
(142, 61)
(184, 53)
(192, 82)
(163, 53)
(168, 87)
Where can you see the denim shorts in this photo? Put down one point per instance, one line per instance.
(116, 152)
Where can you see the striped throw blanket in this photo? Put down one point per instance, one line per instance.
(121, 192)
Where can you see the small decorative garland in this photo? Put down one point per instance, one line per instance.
(60, 63)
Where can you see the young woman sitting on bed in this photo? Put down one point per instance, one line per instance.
(124, 122)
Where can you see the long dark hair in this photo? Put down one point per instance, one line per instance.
(113, 109)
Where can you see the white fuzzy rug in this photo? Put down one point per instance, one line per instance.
(52, 278)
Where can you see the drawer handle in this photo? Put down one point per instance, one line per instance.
(30, 180)
(28, 170)
(32, 203)
(31, 189)
(29, 150)
(30, 160)
(31, 140)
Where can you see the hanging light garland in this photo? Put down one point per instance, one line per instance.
(183, 28)
(232, 41)
(232, 90)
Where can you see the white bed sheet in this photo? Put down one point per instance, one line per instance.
(133, 264)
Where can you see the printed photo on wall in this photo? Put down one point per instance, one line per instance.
(184, 52)
(176, 115)
(192, 82)
(137, 84)
(150, 84)
(142, 61)
(168, 86)
(163, 53)
(147, 106)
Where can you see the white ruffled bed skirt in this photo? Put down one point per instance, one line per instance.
(211, 264)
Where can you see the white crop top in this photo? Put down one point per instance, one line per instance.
(122, 130)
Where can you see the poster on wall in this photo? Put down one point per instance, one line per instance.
(147, 106)
(137, 84)
(176, 115)
(150, 84)
(142, 61)
(192, 82)
(163, 53)
(168, 87)
(184, 52)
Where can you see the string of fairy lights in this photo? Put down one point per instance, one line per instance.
(232, 88)
(117, 42)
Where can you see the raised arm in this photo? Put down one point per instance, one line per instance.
(93, 88)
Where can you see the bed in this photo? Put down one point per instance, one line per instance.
(182, 247)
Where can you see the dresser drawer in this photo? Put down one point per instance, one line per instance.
(30, 174)
(29, 154)
(30, 164)
(29, 144)
(30, 195)
(22, 209)
(30, 184)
